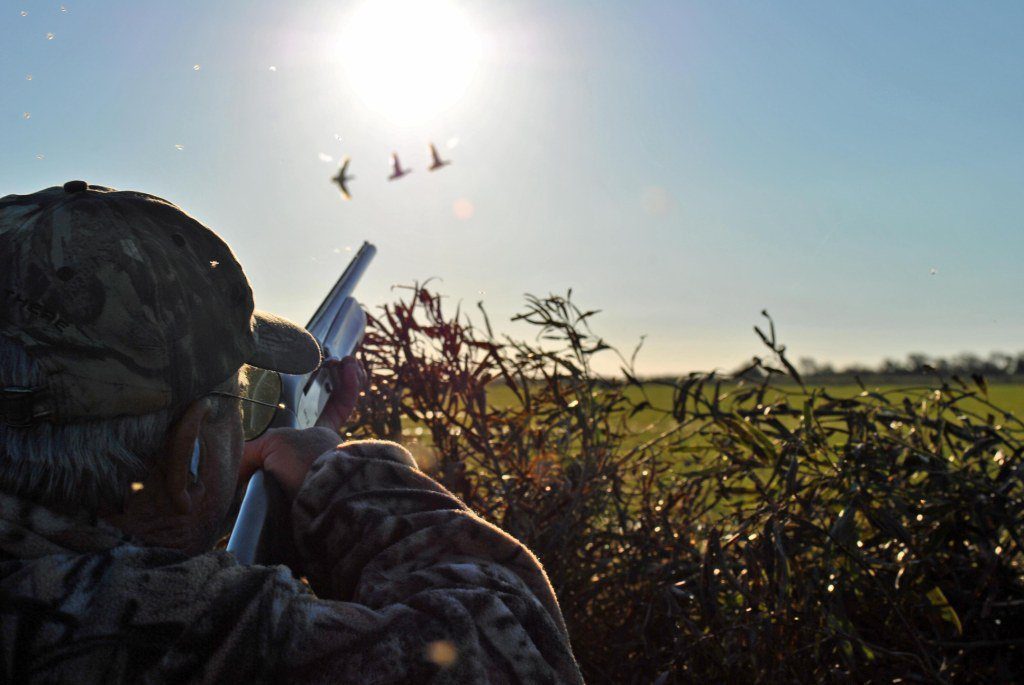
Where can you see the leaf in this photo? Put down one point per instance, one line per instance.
(841, 628)
(756, 440)
(946, 611)
(639, 408)
(843, 528)
(630, 378)
(791, 475)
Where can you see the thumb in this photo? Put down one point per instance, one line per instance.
(254, 454)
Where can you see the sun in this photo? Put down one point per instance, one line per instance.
(410, 60)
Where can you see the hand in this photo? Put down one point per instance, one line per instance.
(287, 454)
(347, 379)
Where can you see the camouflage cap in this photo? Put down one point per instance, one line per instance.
(128, 304)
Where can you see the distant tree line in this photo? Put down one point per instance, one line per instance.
(997, 366)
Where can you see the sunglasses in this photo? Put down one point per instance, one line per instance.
(261, 400)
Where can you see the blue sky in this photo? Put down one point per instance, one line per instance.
(680, 165)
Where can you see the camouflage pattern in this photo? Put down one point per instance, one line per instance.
(407, 586)
(129, 304)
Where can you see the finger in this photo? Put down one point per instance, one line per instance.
(354, 374)
(294, 452)
(339, 369)
(348, 381)
(336, 413)
(363, 377)
(353, 380)
(254, 454)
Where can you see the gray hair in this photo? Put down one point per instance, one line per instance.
(80, 464)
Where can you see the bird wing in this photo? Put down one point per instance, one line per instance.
(396, 166)
(341, 181)
(344, 167)
(433, 153)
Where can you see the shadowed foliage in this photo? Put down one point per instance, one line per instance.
(720, 529)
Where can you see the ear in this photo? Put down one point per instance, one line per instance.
(183, 436)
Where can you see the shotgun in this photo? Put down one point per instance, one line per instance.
(338, 325)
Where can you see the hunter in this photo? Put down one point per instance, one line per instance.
(126, 332)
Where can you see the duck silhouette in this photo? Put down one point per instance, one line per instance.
(396, 168)
(342, 179)
(436, 162)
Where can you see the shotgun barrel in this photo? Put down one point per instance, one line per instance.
(338, 325)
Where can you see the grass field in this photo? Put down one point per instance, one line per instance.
(1008, 397)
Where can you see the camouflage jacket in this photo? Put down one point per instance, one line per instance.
(411, 588)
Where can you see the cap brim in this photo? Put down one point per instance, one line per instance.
(283, 346)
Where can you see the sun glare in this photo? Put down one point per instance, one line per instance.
(409, 60)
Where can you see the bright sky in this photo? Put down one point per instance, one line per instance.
(855, 168)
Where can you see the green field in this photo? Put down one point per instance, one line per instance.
(648, 424)
(1008, 397)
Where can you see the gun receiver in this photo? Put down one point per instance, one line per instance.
(338, 325)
